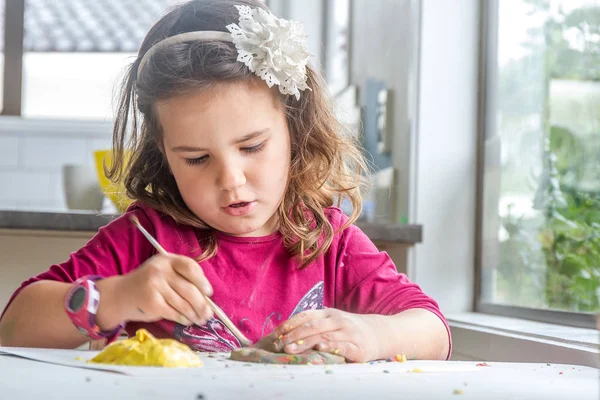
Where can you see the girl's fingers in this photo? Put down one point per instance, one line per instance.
(184, 312)
(312, 341)
(171, 314)
(191, 271)
(323, 328)
(348, 350)
(192, 296)
(300, 319)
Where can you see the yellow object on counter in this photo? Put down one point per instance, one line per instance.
(114, 191)
(147, 351)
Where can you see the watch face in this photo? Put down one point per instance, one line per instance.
(77, 299)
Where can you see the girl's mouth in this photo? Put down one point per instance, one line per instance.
(240, 209)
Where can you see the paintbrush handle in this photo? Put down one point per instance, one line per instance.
(215, 308)
(223, 317)
(148, 236)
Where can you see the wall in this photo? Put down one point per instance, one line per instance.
(444, 172)
(383, 36)
(32, 154)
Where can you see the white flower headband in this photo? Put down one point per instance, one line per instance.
(273, 48)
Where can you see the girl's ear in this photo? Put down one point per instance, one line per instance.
(161, 147)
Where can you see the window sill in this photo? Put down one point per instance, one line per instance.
(32, 127)
(478, 336)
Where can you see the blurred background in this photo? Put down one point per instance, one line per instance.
(481, 120)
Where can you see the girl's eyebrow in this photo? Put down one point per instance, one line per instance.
(251, 135)
(244, 138)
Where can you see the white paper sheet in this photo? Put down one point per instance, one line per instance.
(220, 363)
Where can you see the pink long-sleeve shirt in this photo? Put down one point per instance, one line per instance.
(255, 281)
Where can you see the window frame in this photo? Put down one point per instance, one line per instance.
(14, 18)
(487, 76)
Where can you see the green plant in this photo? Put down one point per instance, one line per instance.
(570, 241)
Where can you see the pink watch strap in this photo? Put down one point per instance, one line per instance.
(81, 305)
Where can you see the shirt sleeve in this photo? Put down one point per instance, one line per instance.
(367, 281)
(115, 249)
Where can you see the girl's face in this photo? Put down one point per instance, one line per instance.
(229, 151)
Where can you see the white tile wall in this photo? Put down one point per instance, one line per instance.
(56, 195)
(52, 152)
(9, 149)
(22, 184)
(8, 204)
(31, 166)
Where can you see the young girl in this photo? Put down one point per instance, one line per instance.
(235, 160)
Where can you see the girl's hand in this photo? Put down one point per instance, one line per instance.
(166, 287)
(352, 336)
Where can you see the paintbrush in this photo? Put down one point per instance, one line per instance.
(216, 309)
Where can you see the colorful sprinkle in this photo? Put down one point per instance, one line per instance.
(79, 358)
(336, 351)
(329, 371)
(400, 357)
(560, 373)
(416, 370)
(483, 365)
(386, 371)
(300, 341)
(458, 391)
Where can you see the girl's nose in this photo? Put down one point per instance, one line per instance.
(231, 177)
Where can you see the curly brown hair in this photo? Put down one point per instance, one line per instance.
(327, 164)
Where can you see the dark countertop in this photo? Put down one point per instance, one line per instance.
(91, 222)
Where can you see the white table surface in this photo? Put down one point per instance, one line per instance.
(219, 378)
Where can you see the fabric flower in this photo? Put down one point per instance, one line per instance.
(273, 48)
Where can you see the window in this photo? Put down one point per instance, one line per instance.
(539, 186)
(74, 53)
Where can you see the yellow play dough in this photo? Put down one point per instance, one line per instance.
(145, 350)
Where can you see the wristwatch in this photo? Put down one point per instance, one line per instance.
(81, 305)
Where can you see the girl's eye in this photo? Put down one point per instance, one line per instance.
(203, 159)
(196, 161)
(254, 149)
